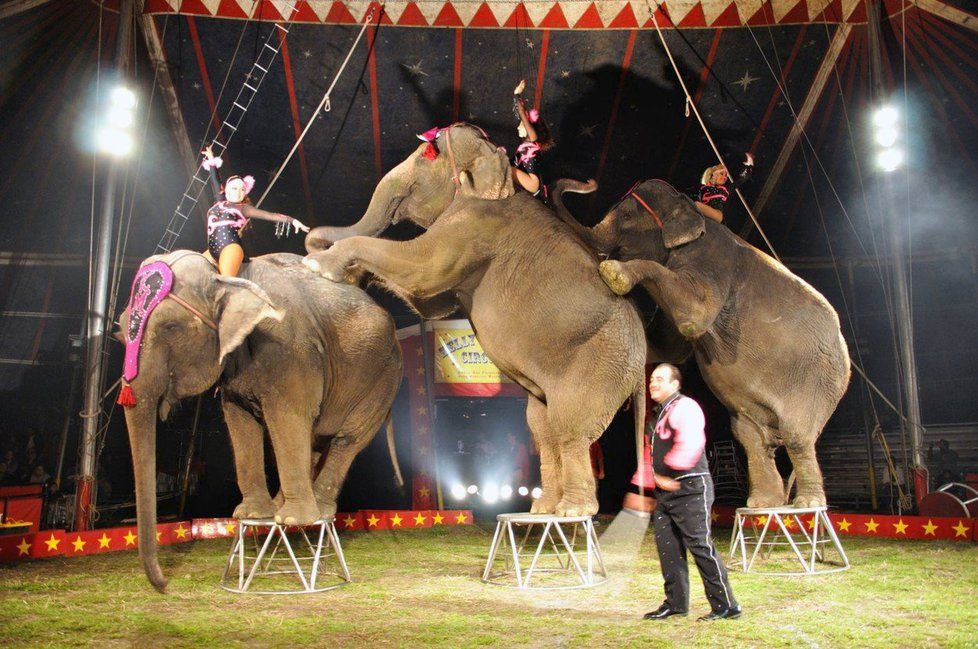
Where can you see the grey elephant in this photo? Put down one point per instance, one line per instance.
(529, 287)
(767, 343)
(304, 356)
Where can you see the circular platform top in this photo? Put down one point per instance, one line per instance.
(268, 522)
(784, 509)
(540, 518)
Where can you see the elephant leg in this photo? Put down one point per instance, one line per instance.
(291, 435)
(247, 441)
(809, 491)
(343, 448)
(550, 468)
(766, 485)
(683, 297)
(433, 263)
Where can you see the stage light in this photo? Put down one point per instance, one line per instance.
(889, 159)
(537, 492)
(473, 489)
(120, 117)
(885, 116)
(458, 492)
(506, 492)
(123, 97)
(114, 141)
(886, 136)
(523, 491)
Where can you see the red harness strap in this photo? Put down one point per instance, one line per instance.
(179, 300)
(647, 207)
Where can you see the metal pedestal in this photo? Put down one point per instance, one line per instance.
(759, 532)
(262, 564)
(552, 545)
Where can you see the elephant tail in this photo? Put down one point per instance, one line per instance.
(393, 450)
(573, 186)
(638, 410)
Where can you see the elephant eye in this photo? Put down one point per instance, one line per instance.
(171, 326)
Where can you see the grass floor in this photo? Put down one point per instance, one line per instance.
(422, 588)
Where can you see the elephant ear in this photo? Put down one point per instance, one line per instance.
(488, 177)
(241, 305)
(682, 225)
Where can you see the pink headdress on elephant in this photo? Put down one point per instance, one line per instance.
(151, 285)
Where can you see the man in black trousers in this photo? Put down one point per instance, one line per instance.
(684, 496)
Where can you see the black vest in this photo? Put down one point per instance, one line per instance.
(661, 447)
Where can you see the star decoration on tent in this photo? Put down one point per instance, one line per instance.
(529, 44)
(565, 74)
(197, 85)
(437, 518)
(871, 526)
(23, 548)
(745, 81)
(416, 70)
(960, 530)
(930, 528)
(306, 54)
(587, 131)
(103, 541)
(900, 527)
(131, 538)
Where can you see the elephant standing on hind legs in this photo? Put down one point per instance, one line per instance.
(530, 289)
(292, 353)
(767, 344)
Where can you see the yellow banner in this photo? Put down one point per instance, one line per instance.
(459, 358)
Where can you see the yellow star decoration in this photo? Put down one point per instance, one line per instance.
(900, 527)
(103, 541)
(372, 521)
(871, 526)
(714, 516)
(930, 528)
(52, 543)
(960, 529)
(421, 390)
(229, 527)
(130, 538)
(181, 531)
(844, 525)
(422, 430)
(78, 543)
(423, 451)
(460, 518)
(789, 523)
(422, 410)
(419, 520)
(811, 523)
(158, 535)
(23, 548)
(437, 519)
(420, 371)
(762, 520)
(396, 520)
(423, 492)
(419, 351)
(349, 521)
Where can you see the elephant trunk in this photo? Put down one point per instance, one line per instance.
(141, 422)
(389, 193)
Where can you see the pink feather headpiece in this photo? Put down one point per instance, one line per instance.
(249, 182)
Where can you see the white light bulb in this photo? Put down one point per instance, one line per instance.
(114, 141)
(886, 136)
(458, 492)
(885, 116)
(537, 492)
(473, 489)
(123, 98)
(890, 159)
(523, 491)
(506, 492)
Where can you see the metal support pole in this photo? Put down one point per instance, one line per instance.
(96, 318)
(185, 479)
(427, 359)
(74, 357)
(894, 233)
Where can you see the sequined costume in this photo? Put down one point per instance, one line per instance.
(225, 219)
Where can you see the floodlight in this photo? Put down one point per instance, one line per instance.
(114, 141)
(506, 492)
(537, 492)
(473, 489)
(889, 159)
(490, 493)
(886, 136)
(523, 491)
(123, 97)
(885, 116)
(458, 492)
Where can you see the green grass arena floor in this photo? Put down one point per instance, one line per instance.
(422, 588)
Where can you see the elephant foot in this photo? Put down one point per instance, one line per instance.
(278, 500)
(809, 500)
(760, 500)
(545, 504)
(577, 508)
(328, 265)
(327, 510)
(302, 512)
(255, 508)
(616, 277)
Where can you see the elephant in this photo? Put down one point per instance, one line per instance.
(530, 289)
(768, 345)
(305, 357)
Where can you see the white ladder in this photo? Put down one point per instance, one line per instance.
(191, 195)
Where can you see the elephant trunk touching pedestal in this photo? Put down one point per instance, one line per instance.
(141, 422)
